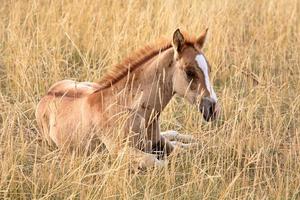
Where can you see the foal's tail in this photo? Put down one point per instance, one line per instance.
(42, 118)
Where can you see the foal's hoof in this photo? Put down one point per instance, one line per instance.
(149, 163)
(184, 145)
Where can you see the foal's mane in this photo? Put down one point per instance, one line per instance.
(136, 59)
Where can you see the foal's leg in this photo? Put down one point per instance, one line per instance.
(142, 160)
(138, 159)
(169, 146)
(175, 136)
(164, 142)
(184, 145)
(159, 143)
(164, 145)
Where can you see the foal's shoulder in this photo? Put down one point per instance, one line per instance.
(69, 88)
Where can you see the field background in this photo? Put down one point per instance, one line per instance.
(252, 152)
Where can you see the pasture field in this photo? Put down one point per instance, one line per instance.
(251, 152)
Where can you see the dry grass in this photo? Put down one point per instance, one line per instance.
(252, 152)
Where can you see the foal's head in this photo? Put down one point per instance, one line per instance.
(191, 76)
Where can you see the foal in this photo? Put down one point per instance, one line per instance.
(132, 95)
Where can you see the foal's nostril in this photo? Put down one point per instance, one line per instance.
(207, 107)
(211, 109)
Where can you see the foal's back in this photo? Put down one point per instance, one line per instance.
(69, 88)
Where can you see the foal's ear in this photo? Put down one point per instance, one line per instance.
(200, 41)
(178, 40)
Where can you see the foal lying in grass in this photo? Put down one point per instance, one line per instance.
(132, 95)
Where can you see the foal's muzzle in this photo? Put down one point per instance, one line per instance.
(209, 108)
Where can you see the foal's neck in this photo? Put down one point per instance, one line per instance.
(152, 83)
(159, 85)
(147, 90)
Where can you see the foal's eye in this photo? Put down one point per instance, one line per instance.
(190, 74)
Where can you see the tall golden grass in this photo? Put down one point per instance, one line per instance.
(252, 152)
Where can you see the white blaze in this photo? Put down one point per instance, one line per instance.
(201, 61)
